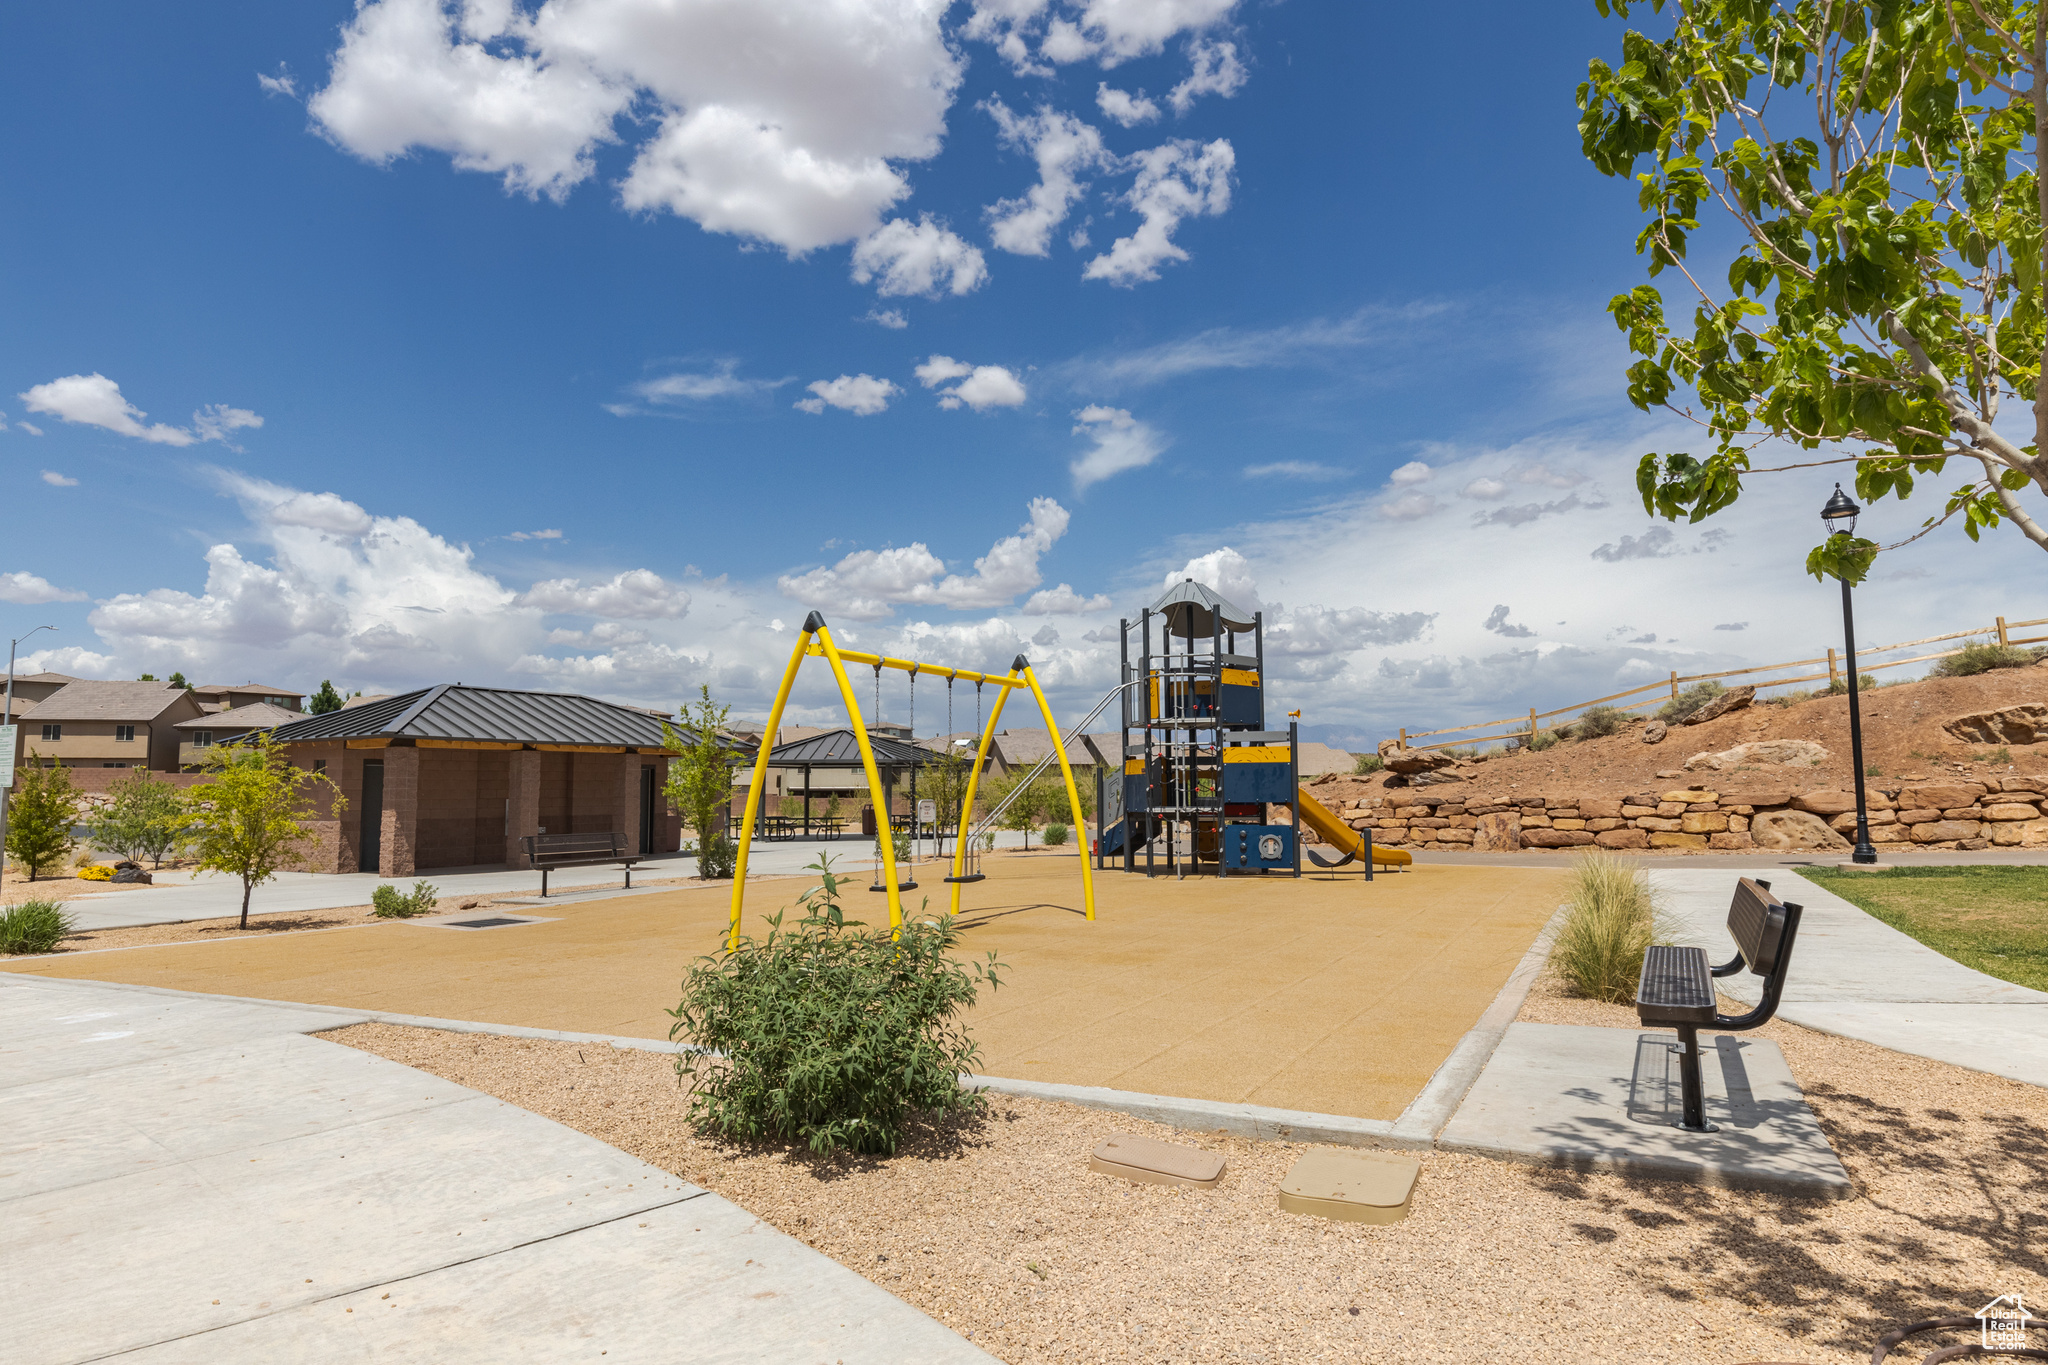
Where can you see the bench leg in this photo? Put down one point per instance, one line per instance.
(543, 883)
(1694, 1118)
(629, 876)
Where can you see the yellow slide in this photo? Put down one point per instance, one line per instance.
(1324, 821)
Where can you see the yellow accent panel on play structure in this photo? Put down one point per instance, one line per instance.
(1240, 677)
(1326, 822)
(1134, 766)
(1258, 753)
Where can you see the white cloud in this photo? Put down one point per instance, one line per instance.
(1064, 148)
(866, 583)
(1486, 490)
(892, 318)
(1294, 469)
(1551, 478)
(1228, 348)
(94, 400)
(918, 259)
(29, 590)
(1122, 107)
(1415, 471)
(56, 480)
(327, 512)
(1225, 571)
(1523, 513)
(1121, 442)
(604, 634)
(774, 120)
(280, 84)
(1063, 601)
(981, 386)
(1109, 32)
(1497, 622)
(722, 380)
(1408, 507)
(1175, 180)
(29, 427)
(863, 395)
(551, 533)
(1217, 71)
(634, 595)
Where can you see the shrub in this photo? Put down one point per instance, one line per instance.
(1368, 763)
(1840, 686)
(1689, 701)
(96, 872)
(1600, 721)
(1054, 836)
(718, 857)
(1982, 657)
(33, 927)
(1611, 918)
(40, 816)
(827, 1033)
(1543, 739)
(388, 902)
(143, 817)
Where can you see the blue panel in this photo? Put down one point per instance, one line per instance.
(1249, 846)
(1257, 782)
(1240, 705)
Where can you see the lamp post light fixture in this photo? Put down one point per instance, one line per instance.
(1839, 516)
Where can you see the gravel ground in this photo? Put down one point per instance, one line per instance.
(997, 1227)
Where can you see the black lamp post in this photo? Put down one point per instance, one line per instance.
(1839, 516)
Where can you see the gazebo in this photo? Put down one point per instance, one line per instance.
(839, 749)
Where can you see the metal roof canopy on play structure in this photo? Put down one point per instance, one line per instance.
(816, 640)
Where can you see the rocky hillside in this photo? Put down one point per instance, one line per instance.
(1951, 763)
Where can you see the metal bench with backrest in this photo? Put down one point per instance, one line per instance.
(1677, 988)
(550, 851)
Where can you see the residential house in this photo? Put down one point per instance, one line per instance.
(34, 687)
(226, 696)
(196, 737)
(88, 724)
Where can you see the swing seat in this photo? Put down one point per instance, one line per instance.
(900, 886)
(970, 877)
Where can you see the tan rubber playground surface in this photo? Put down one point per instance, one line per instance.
(1337, 996)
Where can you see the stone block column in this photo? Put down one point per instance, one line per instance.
(522, 804)
(399, 846)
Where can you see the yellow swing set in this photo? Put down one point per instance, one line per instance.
(816, 640)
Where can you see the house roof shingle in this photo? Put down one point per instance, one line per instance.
(259, 716)
(89, 700)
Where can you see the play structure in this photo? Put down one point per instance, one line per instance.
(1203, 771)
(816, 641)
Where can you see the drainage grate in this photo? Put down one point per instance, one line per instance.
(492, 923)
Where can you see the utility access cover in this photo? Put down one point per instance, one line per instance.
(494, 922)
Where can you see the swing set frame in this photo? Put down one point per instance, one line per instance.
(816, 641)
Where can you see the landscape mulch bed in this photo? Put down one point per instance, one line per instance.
(997, 1227)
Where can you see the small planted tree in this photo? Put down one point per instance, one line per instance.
(829, 1033)
(250, 819)
(700, 780)
(143, 817)
(40, 817)
(325, 700)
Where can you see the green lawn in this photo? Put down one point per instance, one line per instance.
(1992, 918)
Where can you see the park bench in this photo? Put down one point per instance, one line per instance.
(1677, 987)
(550, 851)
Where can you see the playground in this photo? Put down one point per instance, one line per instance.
(1327, 995)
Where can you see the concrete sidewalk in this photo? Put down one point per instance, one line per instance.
(197, 1180)
(180, 895)
(1855, 976)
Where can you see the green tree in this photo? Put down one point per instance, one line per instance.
(41, 815)
(143, 817)
(178, 680)
(146, 677)
(250, 819)
(325, 700)
(1886, 293)
(700, 779)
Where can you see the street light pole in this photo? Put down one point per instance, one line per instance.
(1839, 516)
(7, 719)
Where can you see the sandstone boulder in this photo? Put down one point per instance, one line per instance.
(1499, 833)
(1825, 802)
(1634, 838)
(1944, 797)
(1783, 753)
(2010, 810)
(1734, 699)
(1943, 831)
(1402, 759)
(2026, 834)
(1433, 779)
(1654, 732)
(1555, 838)
(2023, 724)
(1793, 831)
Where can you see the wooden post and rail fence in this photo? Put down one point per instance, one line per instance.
(1526, 730)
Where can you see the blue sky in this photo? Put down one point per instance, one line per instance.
(531, 305)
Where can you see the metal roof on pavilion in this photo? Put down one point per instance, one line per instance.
(839, 749)
(1190, 610)
(502, 715)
